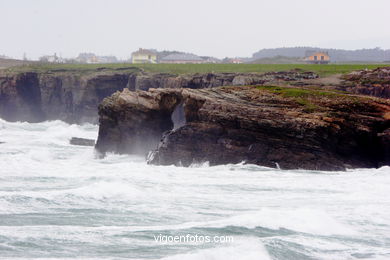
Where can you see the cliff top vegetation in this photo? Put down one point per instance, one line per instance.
(322, 70)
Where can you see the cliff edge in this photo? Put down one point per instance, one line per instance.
(74, 95)
(286, 127)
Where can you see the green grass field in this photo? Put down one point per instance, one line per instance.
(322, 70)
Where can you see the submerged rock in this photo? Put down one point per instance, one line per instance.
(82, 141)
(270, 126)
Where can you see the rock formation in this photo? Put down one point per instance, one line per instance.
(133, 122)
(82, 141)
(71, 97)
(265, 125)
(74, 95)
(369, 82)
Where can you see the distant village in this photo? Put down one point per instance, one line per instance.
(287, 55)
(142, 56)
(152, 56)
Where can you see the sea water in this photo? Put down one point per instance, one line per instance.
(59, 201)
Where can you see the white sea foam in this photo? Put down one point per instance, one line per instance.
(60, 200)
(246, 249)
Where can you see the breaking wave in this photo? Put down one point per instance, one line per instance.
(60, 201)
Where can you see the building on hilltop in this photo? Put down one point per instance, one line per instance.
(87, 58)
(208, 59)
(144, 56)
(182, 58)
(233, 60)
(317, 57)
(52, 59)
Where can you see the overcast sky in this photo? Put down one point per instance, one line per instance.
(206, 27)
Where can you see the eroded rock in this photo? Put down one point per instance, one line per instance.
(374, 82)
(74, 96)
(133, 122)
(269, 126)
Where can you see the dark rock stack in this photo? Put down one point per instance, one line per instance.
(133, 122)
(82, 141)
(259, 125)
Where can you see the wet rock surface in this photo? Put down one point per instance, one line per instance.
(269, 126)
(82, 141)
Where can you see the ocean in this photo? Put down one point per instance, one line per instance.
(60, 201)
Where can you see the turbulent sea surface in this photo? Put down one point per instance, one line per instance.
(58, 201)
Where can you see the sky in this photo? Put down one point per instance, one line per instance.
(220, 28)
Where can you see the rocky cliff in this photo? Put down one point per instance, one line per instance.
(74, 95)
(71, 97)
(369, 82)
(266, 125)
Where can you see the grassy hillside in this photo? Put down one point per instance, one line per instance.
(323, 70)
(279, 60)
(5, 63)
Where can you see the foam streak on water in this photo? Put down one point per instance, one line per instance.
(59, 201)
